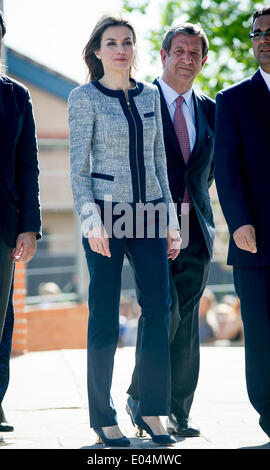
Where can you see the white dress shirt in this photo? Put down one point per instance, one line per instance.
(171, 96)
(266, 77)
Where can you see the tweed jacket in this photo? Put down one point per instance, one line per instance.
(116, 148)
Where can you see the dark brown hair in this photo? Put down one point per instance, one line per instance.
(189, 29)
(95, 67)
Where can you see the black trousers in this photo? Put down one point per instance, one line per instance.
(5, 348)
(6, 272)
(188, 277)
(6, 314)
(148, 258)
(252, 285)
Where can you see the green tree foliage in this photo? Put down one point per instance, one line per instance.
(226, 24)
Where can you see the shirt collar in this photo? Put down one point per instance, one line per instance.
(266, 77)
(171, 95)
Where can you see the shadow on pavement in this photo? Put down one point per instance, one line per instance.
(262, 446)
(136, 443)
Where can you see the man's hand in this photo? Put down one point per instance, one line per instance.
(99, 241)
(173, 243)
(26, 245)
(245, 238)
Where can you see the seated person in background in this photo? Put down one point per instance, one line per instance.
(229, 320)
(49, 292)
(129, 315)
(208, 326)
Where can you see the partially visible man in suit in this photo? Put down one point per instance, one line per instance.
(242, 159)
(188, 123)
(20, 220)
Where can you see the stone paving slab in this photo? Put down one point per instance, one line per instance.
(47, 402)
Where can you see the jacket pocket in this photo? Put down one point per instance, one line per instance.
(152, 113)
(102, 176)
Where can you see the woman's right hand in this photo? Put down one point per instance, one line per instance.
(99, 241)
(173, 243)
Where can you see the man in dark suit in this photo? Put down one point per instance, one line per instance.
(242, 159)
(188, 125)
(19, 209)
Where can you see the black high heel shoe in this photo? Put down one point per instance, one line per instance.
(118, 442)
(160, 439)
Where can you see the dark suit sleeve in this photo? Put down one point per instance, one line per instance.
(228, 171)
(27, 173)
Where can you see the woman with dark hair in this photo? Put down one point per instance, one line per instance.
(118, 160)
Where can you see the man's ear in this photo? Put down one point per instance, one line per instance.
(163, 56)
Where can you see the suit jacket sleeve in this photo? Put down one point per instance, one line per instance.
(27, 173)
(228, 166)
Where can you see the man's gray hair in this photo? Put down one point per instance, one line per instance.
(188, 29)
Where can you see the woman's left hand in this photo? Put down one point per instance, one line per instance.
(173, 243)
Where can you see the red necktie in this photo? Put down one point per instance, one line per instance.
(181, 131)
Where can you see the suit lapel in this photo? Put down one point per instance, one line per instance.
(200, 123)
(8, 105)
(260, 99)
(8, 108)
(168, 125)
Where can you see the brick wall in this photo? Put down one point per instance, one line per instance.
(46, 327)
(56, 327)
(20, 325)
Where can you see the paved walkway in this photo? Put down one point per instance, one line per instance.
(47, 402)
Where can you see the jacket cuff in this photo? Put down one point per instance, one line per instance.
(90, 218)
